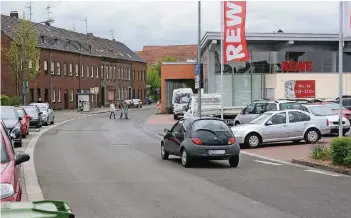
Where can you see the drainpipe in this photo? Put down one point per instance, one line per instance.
(50, 92)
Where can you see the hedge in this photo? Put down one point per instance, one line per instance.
(7, 101)
(341, 151)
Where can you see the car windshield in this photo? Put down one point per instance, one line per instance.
(321, 111)
(214, 125)
(8, 113)
(333, 106)
(4, 154)
(261, 119)
(32, 111)
(42, 108)
(182, 98)
(20, 113)
(291, 105)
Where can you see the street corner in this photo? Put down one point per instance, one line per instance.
(161, 119)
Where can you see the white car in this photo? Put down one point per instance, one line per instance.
(137, 103)
(47, 115)
(333, 118)
(279, 126)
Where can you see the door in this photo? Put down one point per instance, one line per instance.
(46, 95)
(65, 99)
(276, 127)
(296, 125)
(174, 139)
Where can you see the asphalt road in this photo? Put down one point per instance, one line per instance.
(112, 168)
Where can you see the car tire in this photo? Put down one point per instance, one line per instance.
(253, 140)
(24, 136)
(344, 132)
(237, 123)
(141, 106)
(312, 135)
(234, 161)
(164, 153)
(18, 144)
(185, 158)
(175, 117)
(45, 124)
(53, 120)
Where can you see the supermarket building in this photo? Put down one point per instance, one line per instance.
(281, 65)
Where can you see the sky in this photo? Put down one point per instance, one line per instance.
(141, 23)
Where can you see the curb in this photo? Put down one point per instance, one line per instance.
(322, 167)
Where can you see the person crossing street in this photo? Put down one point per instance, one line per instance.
(112, 109)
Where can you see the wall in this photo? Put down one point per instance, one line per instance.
(326, 83)
(174, 71)
(139, 80)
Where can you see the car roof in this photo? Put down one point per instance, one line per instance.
(8, 107)
(192, 119)
(274, 101)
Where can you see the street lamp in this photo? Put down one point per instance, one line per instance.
(24, 64)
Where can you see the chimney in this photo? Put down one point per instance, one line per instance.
(14, 14)
(47, 23)
(90, 34)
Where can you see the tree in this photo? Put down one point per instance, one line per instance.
(24, 34)
(154, 76)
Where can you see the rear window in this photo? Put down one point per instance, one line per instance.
(321, 111)
(214, 125)
(291, 105)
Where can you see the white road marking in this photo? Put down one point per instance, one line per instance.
(266, 162)
(323, 172)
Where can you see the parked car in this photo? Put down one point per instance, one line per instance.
(149, 100)
(24, 122)
(335, 107)
(346, 103)
(12, 122)
(47, 115)
(278, 126)
(35, 115)
(137, 103)
(258, 107)
(10, 172)
(129, 103)
(200, 138)
(324, 111)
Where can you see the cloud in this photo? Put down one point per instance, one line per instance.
(160, 23)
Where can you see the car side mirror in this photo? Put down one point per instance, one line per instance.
(166, 130)
(21, 158)
(12, 136)
(19, 118)
(40, 113)
(269, 123)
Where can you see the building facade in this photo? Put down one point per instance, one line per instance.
(277, 62)
(73, 63)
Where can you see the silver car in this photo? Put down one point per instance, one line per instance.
(278, 126)
(48, 116)
(333, 118)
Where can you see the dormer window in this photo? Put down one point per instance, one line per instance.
(68, 44)
(42, 39)
(80, 46)
(55, 41)
(90, 48)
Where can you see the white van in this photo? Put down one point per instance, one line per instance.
(180, 99)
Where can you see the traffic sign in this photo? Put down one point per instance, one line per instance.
(197, 82)
(197, 70)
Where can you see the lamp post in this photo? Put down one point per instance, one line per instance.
(24, 61)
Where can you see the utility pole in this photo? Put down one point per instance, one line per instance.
(199, 56)
(86, 25)
(48, 12)
(30, 10)
(341, 42)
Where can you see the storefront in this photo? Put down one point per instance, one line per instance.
(281, 65)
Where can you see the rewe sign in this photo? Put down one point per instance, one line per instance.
(234, 45)
(296, 66)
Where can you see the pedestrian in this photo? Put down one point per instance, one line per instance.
(112, 109)
(126, 108)
(121, 107)
(39, 100)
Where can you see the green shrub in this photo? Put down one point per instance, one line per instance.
(5, 100)
(320, 152)
(15, 101)
(347, 161)
(340, 148)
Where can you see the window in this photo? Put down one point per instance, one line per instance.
(82, 71)
(106, 72)
(77, 70)
(53, 95)
(59, 95)
(271, 107)
(70, 69)
(119, 72)
(290, 105)
(122, 77)
(259, 108)
(97, 72)
(119, 93)
(129, 72)
(45, 66)
(30, 65)
(92, 71)
(305, 117)
(110, 73)
(52, 67)
(65, 69)
(58, 66)
(279, 118)
(133, 74)
(88, 73)
(214, 125)
(178, 126)
(294, 117)
(305, 109)
(71, 95)
(102, 72)
(37, 66)
(114, 72)
(42, 39)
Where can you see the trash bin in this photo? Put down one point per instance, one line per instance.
(37, 209)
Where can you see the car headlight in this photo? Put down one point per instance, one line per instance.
(6, 190)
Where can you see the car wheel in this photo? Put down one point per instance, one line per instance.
(237, 123)
(53, 120)
(185, 158)
(234, 161)
(253, 140)
(24, 136)
(312, 135)
(18, 144)
(141, 106)
(45, 124)
(164, 153)
(175, 117)
(344, 132)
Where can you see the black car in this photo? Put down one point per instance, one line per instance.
(35, 115)
(12, 122)
(200, 138)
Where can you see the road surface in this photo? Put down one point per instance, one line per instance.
(112, 168)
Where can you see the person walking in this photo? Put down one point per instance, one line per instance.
(126, 108)
(112, 109)
(121, 107)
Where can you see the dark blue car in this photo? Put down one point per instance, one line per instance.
(12, 122)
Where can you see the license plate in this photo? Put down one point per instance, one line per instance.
(229, 121)
(214, 152)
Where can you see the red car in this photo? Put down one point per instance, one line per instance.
(335, 107)
(10, 172)
(24, 122)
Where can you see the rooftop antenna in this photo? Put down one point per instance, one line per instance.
(74, 27)
(24, 15)
(48, 12)
(86, 25)
(29, 6)
(112, 34)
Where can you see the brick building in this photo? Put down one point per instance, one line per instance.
(72, 63)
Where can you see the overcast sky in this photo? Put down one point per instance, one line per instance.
(139, 23)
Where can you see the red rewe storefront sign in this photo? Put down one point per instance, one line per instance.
(300, 89)
(234, 44)
(296, 66)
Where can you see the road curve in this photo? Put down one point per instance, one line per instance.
(112, 168)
